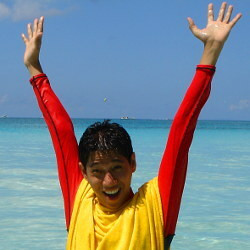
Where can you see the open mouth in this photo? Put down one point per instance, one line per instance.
(112, 194)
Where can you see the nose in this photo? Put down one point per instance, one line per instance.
(109, 180)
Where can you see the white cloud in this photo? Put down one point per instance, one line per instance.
(3, 99)
(4, 10)
(28, 9)
(242, 104)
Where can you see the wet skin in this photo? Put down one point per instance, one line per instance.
(109, 175)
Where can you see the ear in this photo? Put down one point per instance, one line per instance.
(133, 162)
(83, 170)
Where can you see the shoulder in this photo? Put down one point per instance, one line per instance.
(149, 193)
(151, 185)
(84, 190)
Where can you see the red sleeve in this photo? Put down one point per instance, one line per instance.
(172, 172)
(63, 138)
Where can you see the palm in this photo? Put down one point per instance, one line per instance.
(216, 30)
(32, 49)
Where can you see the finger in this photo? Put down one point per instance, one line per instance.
(25, 39)
(236, 19)
(40, 24)
(35, 24)
(192, 25)
(228, 15)
(222, 11)
(30, 33)
(210, 13)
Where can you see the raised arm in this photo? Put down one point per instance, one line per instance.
(172, 172)
(59, 123)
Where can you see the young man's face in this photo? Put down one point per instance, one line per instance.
(109, 174)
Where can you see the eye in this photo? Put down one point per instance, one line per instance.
(96, 171)
(116, 168)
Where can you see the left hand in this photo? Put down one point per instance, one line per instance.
(216, 31)
(33, 44)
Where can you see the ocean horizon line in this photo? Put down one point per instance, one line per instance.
(122, 118)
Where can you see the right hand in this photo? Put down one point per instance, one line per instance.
(33, 44)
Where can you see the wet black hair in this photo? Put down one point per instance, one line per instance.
(105, 137)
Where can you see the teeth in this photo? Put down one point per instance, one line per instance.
(112, 191)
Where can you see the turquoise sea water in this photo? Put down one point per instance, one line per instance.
(215, 211)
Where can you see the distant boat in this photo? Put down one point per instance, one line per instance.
(127, 118)
(3, 116)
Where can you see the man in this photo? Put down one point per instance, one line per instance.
(100, 208)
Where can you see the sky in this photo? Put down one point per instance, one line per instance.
(138, 54)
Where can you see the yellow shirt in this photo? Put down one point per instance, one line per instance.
(138, 225)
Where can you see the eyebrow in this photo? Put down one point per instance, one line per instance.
(98, 163)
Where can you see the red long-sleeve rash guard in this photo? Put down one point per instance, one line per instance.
(173, 167)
